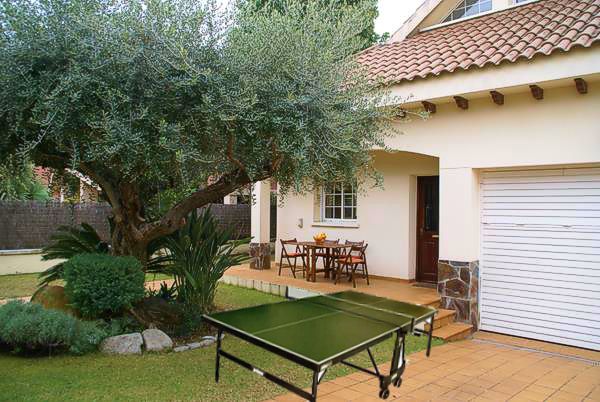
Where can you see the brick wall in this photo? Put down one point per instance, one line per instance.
(29, 224)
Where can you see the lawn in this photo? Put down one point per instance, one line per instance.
(186, 376)
(21, 285)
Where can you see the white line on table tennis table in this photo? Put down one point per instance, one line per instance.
(369, 306)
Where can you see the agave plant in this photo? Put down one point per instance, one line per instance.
(197, 256)
(67, 242)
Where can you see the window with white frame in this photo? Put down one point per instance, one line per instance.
(338, 202)
(467, 8)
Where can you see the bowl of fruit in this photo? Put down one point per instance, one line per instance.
(320, 238)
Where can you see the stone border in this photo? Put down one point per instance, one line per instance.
(256, 284)
(25, 251)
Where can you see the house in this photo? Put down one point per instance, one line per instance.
(68, 185)
(495, 198)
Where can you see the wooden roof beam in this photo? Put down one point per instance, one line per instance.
(581, 86)
(497, 97)
(537, 92)
(429, 107)
(461, 102)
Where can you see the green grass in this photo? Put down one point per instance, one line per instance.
(22, 285)
(186, 376)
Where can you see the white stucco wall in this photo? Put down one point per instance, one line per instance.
(386, 215)
(561, 129)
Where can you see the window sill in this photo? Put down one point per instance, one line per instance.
(352, 225)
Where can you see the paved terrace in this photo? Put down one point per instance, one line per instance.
(392, 289)
(488, 368)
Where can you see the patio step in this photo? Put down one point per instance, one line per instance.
(453, 332)
(443, 317)
(435, 304)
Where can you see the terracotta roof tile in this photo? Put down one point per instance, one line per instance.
(542, 27)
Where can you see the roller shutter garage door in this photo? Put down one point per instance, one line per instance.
(540, 255)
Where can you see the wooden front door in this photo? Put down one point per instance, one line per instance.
(428, 197)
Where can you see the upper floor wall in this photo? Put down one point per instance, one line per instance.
(561, 128)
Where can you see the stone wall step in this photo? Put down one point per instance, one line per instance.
(453, 332)
(443, 317)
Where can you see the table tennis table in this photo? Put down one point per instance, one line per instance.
(320, 331)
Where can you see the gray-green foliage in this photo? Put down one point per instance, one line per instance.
(28, 327)
(149, 95)
(368, 36)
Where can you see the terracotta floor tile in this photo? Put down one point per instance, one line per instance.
(533, 377)
(347, 394)
(459, 395)
(595, 394)
(538, 389)
(365, 388)
(581, 388)
(328, 387)
(359, 377)
(490, 395)
(529, 396)
(471, 389)
(345, 381)
(459, 378)
(331, 398)
(564, 396)
(288, 398)
(551, 381)
(448, 383)
(510, 386)
(486, 382)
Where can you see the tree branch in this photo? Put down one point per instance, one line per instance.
(172, 220)
(232, 158)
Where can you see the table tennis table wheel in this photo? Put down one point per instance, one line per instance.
(384, 393)
(397, 382)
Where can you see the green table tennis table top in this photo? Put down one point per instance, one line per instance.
(320, 328)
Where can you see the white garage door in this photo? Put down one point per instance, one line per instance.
(540, 255)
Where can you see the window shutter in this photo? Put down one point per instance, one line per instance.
(317, 206)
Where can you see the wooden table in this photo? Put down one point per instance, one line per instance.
(311, 248)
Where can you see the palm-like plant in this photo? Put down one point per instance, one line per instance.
(67, 242)
(197, 256)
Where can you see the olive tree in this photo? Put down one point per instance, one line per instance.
(148, 97)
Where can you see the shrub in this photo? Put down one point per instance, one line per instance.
(66, 243)
(197, 256)
(101, 285)
(28, 327)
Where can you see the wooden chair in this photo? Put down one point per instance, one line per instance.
(353, 260)
(322, 253)
(297, 253)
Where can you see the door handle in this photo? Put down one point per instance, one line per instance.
(435, 236)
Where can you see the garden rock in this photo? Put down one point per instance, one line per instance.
(182, 348)
(129, 344)
(156, 341)
(158, 313)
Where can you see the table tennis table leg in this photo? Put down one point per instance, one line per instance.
(315, 385)
(398, 360)
(430, 335)
(218, 359)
